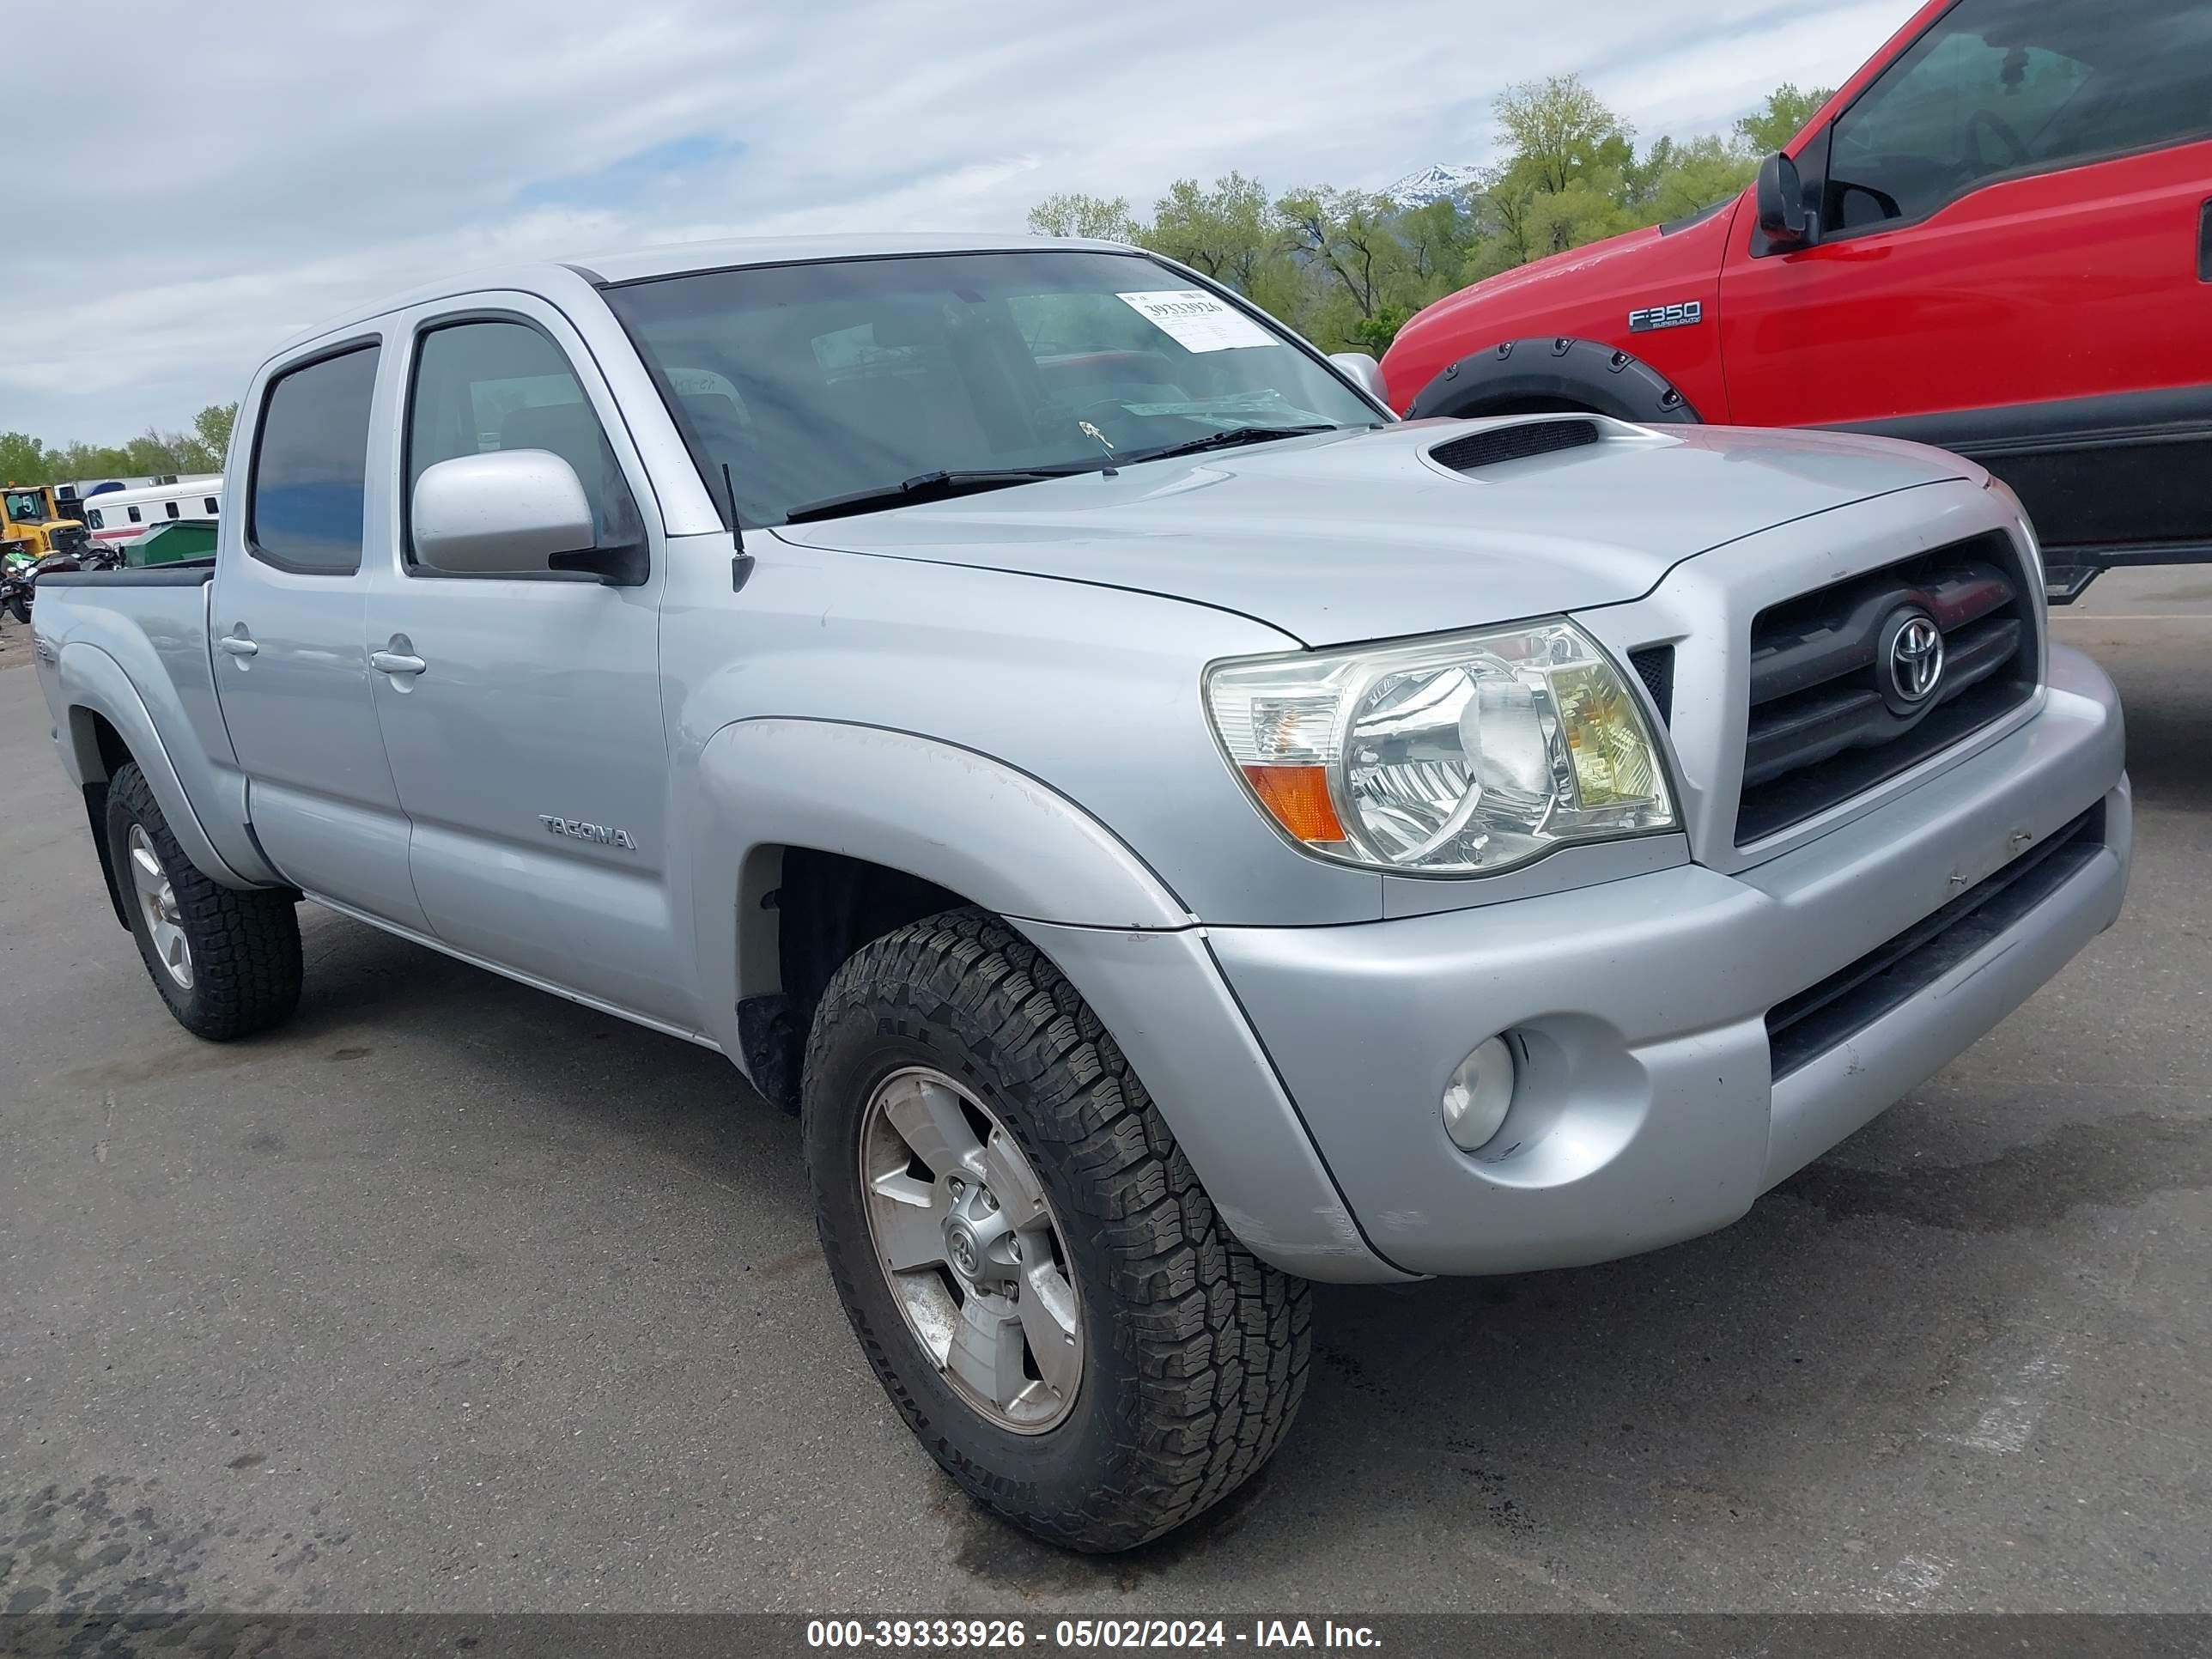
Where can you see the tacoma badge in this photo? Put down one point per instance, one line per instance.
(577, 828)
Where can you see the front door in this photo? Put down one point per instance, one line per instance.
(527, 745)
(2012, 264)
(291, 671)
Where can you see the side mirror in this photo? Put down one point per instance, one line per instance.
(1363, 371)
(1781, 215)
(512, 513)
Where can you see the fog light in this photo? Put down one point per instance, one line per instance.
(1478, 1095)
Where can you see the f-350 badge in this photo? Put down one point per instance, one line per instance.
(1689, 312)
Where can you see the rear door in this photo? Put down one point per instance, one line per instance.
(2012, 263)
(528, 747)
(290, 664)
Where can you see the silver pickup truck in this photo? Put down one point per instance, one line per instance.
(1173, 832)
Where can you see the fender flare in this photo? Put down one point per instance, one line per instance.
(1587, 372)
(93, 683)
(1007, 841)
(969, 823)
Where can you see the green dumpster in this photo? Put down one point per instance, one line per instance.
(172, 543)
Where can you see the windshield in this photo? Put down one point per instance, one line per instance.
(813, 382)
(27, 505)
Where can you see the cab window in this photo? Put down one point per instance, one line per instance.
(308, 497)
(2003, 87)
(491, 385)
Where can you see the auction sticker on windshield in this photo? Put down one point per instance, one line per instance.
(1197, 321)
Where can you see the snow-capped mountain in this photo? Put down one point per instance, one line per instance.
(1431, 183)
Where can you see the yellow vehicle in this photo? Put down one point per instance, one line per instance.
(30, 522)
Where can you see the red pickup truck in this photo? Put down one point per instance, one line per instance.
(1995, 238)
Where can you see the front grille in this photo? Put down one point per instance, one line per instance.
(72, 539)
(1827, 721)
(1810, 1023)
(1513, 443)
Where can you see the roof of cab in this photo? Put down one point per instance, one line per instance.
(678, 258)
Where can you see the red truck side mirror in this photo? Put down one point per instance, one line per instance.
(1782, 216)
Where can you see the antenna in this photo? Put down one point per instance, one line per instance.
(741, 562)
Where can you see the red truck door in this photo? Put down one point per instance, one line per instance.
(2014, 261)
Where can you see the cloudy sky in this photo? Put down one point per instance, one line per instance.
(207, 178)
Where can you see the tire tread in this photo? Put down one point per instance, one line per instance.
(1220, 1343)
(247, 967)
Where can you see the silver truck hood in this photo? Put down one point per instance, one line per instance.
(1352, 536)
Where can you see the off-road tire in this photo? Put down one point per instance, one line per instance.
(245, 945)
(1196, 1353)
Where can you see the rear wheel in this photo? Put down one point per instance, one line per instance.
(1031, 1264)
(227, 962)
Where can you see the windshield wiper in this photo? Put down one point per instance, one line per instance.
(927, 487)
(1234, 437)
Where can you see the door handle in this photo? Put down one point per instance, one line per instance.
(238, 644)
(396, 662)
(2204, 244)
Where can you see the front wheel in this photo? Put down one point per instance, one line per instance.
(19, 607)
(1031, 1266)
(227, 962)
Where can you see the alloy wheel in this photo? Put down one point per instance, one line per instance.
(975, 1258)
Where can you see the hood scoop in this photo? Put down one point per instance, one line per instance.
(1518, 442)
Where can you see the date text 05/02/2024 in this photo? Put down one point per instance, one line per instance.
(1082, 1635)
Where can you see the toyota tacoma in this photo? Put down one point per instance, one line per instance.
(1173, 831)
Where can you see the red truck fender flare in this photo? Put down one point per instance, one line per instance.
(1550, 374)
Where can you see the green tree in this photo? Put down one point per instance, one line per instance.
(1560, 134)
(211, 430)
(1227, 232)
(1781, 118)
(23, 460)
(1071, 213)
(1437, 240)
(1676, 179)
(1373, 334)
(1347, 239)
(1566, 181)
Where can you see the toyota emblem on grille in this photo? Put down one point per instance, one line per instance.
(1914, 662)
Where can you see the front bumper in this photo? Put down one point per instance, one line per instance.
(1649, 1110)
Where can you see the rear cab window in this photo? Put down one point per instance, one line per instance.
(308, 497)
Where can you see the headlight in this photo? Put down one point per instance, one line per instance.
(1462, 755)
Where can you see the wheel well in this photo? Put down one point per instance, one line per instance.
(1554, 374)
(824, 906)
(1510, 405)
(98, 739)
(100, 750)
